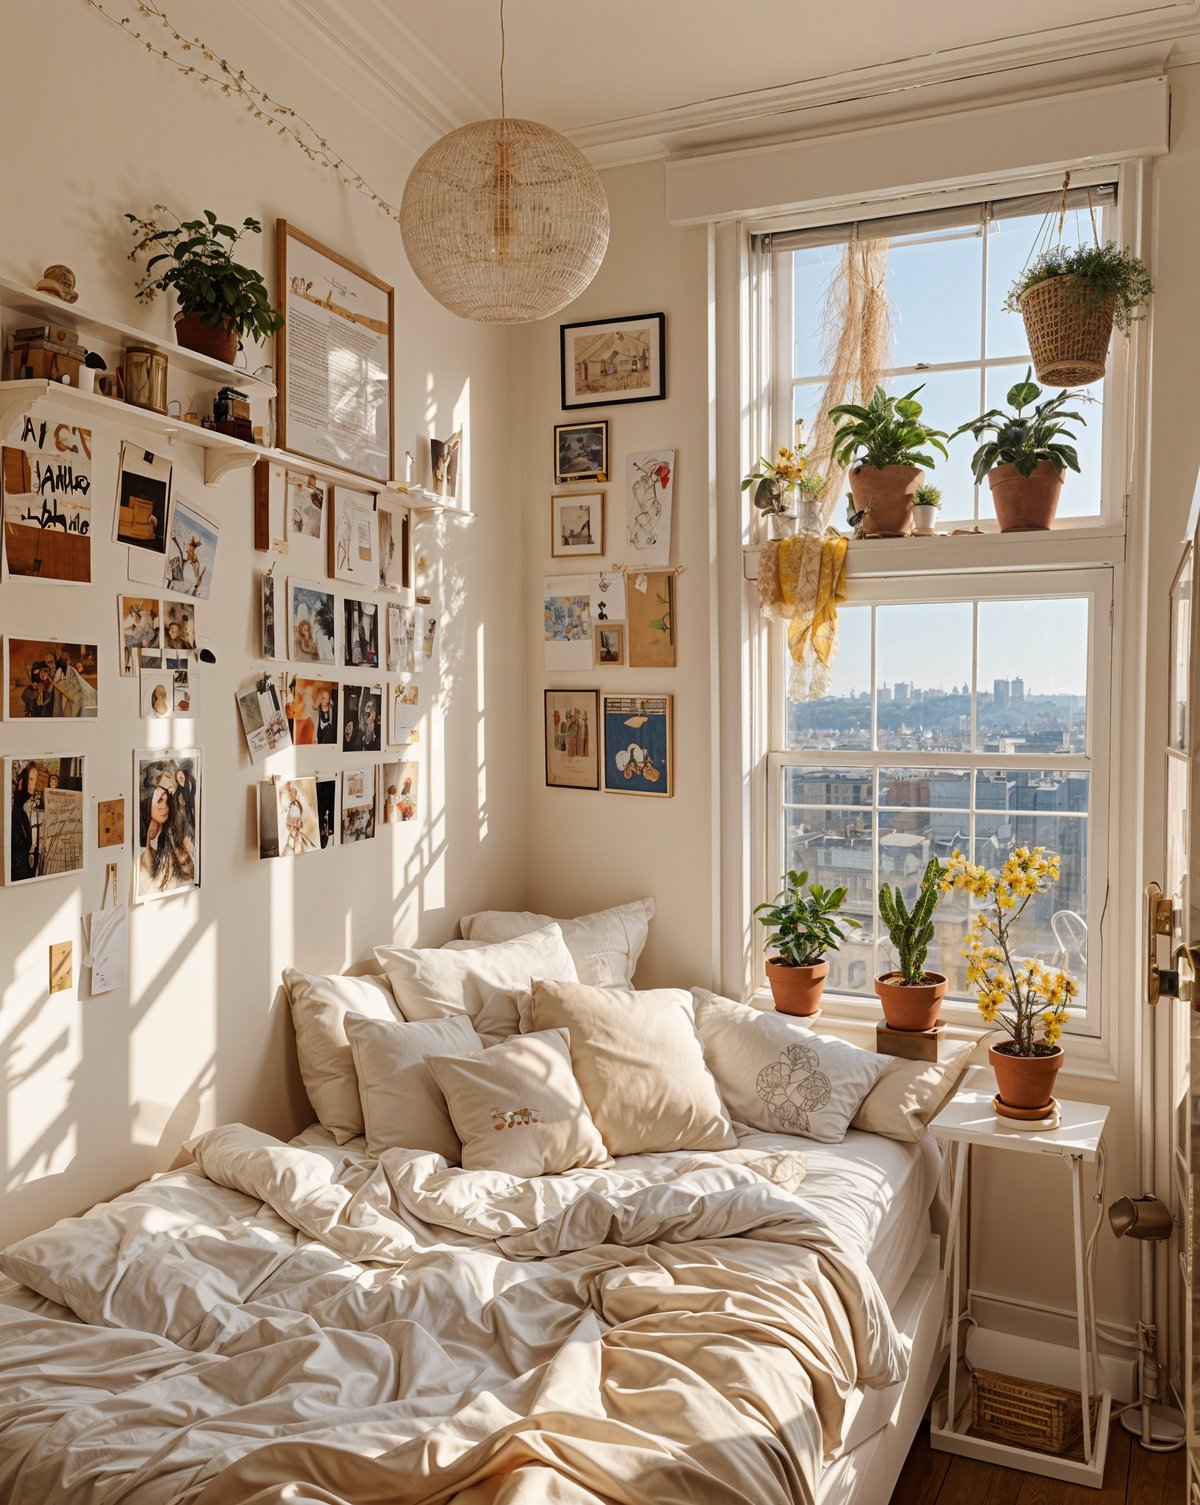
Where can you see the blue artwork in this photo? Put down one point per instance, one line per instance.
(637, 745)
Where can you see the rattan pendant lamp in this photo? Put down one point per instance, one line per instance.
(504, 221)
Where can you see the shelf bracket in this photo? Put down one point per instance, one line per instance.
(14, 404)
(219, 463)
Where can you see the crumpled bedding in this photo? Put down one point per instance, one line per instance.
(306, 1323)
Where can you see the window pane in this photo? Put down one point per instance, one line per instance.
(827, 786)
(924, 661)
(907, 840)
(1033, 665)
(1010, 244)
(812, 271)
(842, 719)
(948, 398)
(835, 848)
(1081, 493)
(935, 283)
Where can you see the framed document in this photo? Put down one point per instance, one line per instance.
(334, 356)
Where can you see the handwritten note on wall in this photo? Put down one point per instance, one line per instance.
(47, 469)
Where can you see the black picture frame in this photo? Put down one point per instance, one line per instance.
(644, 378)
(563, 777)
(584, 448)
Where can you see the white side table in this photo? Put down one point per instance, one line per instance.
(968, 1121)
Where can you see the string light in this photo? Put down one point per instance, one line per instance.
(285, 120)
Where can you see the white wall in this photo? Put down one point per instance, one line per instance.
(96, 1094)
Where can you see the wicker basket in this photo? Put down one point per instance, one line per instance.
(1026, 1412)
(1068, 338)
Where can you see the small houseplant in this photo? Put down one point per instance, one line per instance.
(802, 929)
(1027, 998)
(220, 301)
(910, 996)
(884, 445)
(1070, 297)
(780, 484)
(1027, 455)
(927, 502)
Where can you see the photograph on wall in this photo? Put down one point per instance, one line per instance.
(143, 499)
(179, 627)
(270, 508)
(171, 688)
(581, 451)
(360, 636)
(267, 610)
(395, 536)
(297, 818)
(427, 628)
(268, 821)
(362, 718)
(650, 618)
(305, 505)
(110, 822)
(312, 623)
(649, 495)
(353, 537)
(312, 711)
(49, 680)
(401, 638)
(44, 810)
(567, 622)
(327, 809)
(166, 790)
(610, 361)
(398, 792)
(140, 620)
(404, 714)
(443, 463)
(358, 804)
(572, 739)
(637, 745)
(577, 524)
(191, 552)
(610, 644)
(260, 705)
(46, 468)
(334, 357)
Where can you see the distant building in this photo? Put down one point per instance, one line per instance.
(902, 690)
(1016, 691)
(999, 693)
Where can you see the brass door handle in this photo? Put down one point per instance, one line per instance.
(1156, 921)
(1185, 965)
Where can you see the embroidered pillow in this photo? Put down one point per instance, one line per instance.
(319, 1008)
(430, 983)
(517, 1108)
(402, 1105)
(776, 1075)
(605, 945)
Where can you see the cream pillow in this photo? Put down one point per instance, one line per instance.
(319, 1007)
(605, 945)
(498, 1016)
(402, 1105)
(517, 1107)
(776, 1075)
(640, 1064)
(431, 983)
(910, 1094)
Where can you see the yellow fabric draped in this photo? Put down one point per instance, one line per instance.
(812, 584)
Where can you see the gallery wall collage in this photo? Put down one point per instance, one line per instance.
(623, 614)
(347, 632)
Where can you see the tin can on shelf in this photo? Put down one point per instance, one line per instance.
(146, 379)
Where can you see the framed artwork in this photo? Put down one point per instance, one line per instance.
(312, 623)
(398, 792)
(166, 793)
(362, 718)
(581, 451)
(637, 745)
(577, 524)
(360, 639)
(649, 493)
(44, 808)
(47, 473)
(443, 463)
(610, 361)
(334, 357)
(395, 545)
(49, 680)
(353, 537)
(191, 552)
(650, 617)
(610, 644)
(572, 739)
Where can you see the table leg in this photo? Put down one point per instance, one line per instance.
(953, 1234)
(1081, 1305)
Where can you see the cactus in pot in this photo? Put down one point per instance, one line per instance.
(910, 996)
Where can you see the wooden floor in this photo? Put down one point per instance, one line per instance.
(1131, 1477)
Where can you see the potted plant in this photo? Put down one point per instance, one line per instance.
(1070, 297)
(779, 484)
(911, 998)
(1027, 456)
(1027, 998)
(927, 501)
(802, 929)
(220, 301)
(889, 441)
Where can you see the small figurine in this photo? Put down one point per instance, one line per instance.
(59, 282)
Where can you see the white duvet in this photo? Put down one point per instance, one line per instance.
(309, 1324)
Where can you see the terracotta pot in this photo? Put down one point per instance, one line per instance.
(207, 339)
(797, 990)
(911, 1007)
(886, 496)
(924, 520)
(1026, 504)
(1025, 1081)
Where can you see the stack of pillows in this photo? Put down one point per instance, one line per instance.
(524, 1048)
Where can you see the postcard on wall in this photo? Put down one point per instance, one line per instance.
(404, 715)
(572, 739)
(312, 711)
(270, 508)
(110, 822)
(51, 680)
(143, 499)
(306, 494)
(191, 552)
(362, 718)
(353, 537)
(268, 822)
(649, 493)
(106, 947)
(327, 809)
(167, 791)
(637, 745)
(358, 804)
(312, 623)
(398, 792)
(268, 609)
(140, 620)
(297, 821)
(427, 630)
(179, 627)
(401, 637)
(650, 597)
(395, 535)
(46, 467)
(260, 705)
(610, 361)
(44, 807)
(158, 687)
(335, 357)
(567, 622)
(360, 637)
(443, 463)
(62, 970)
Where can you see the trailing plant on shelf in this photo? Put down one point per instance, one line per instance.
(885, 444)
(802, 928)
(1102, 273)
(911, 996)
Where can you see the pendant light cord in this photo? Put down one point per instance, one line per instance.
(502, 110)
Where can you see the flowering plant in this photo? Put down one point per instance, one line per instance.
(1035, 996)
(775, 480)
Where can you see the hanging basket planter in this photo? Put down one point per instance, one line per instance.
(1068, 329)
